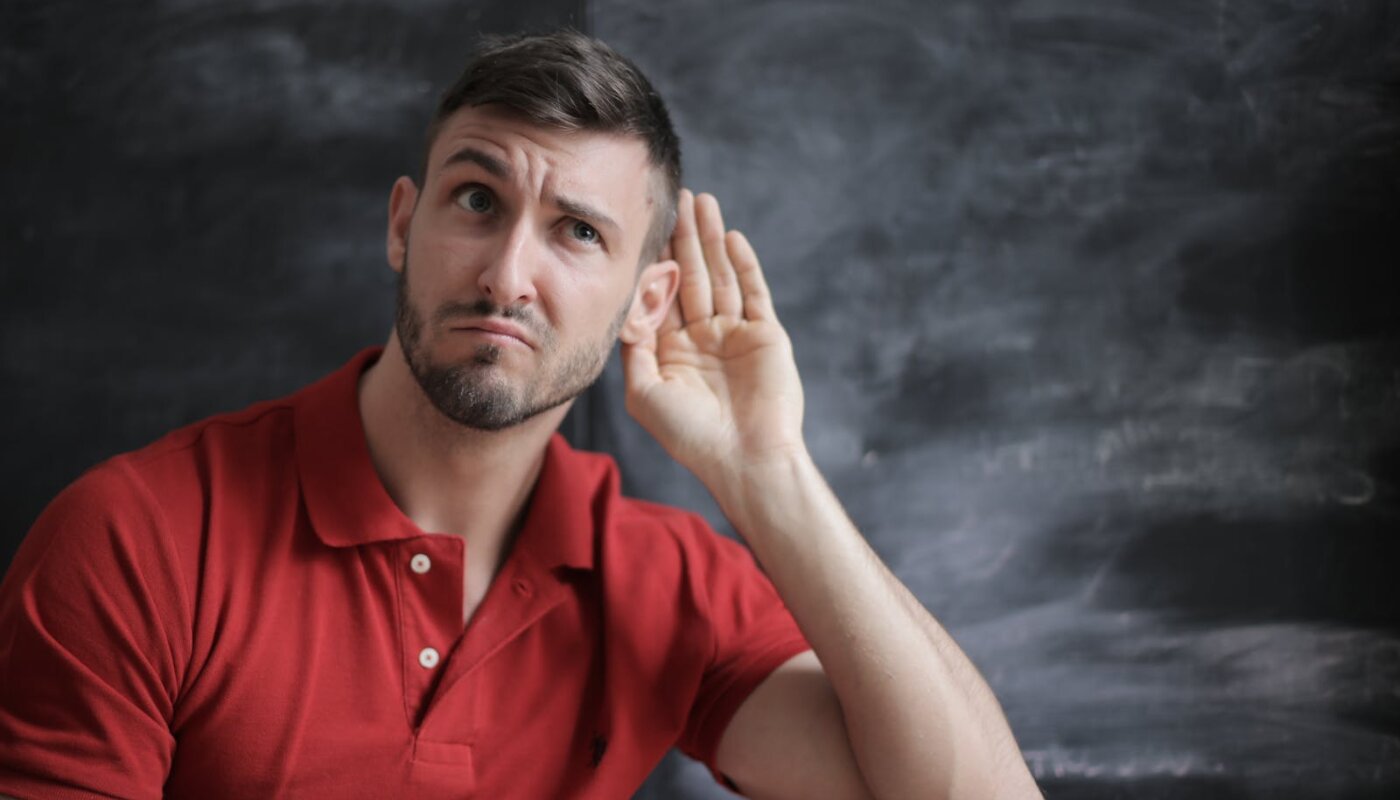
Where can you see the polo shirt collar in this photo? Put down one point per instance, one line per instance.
(348, 505)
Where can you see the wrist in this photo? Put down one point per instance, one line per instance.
(757, 491)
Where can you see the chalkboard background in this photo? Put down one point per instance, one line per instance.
(1093, 301)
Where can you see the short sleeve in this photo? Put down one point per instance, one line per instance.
(753, 635)
(90, 662)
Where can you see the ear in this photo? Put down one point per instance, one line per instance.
(656, 290)
(402, 200)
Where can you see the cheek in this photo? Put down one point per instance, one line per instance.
(581, 308)
(444, 254)
(442, 270)
(613, 312)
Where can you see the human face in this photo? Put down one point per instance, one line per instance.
(524, 245)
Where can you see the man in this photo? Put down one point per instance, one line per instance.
(401, 582)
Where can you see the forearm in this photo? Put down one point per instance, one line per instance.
(921, 721)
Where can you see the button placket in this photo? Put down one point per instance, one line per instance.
(430, 578)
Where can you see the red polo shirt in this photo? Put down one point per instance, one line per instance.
(240, 610)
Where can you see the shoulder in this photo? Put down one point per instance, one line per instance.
(662, 546)
(207, 454)
(135, 502)
(661, 525)
(577, 477)
(230, 436)
(642, 549)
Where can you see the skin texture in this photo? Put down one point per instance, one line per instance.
(494, 240)
(508, 311)
(466, 390)
(886, 705)
(477, 212)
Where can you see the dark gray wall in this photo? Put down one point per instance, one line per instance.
(194, 204)
(1089, 298)
(1094, 305)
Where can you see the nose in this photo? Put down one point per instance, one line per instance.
(508, 278)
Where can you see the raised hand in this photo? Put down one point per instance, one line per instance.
(716, 384)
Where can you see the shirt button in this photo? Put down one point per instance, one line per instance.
(427, 658)
(420, 563)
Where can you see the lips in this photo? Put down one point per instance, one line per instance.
(497, 329)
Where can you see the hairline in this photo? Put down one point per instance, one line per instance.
(663, 215)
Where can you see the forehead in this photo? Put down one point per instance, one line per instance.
(609, 167)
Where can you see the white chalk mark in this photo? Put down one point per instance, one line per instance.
(1358, 489)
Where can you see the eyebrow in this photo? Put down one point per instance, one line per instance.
(488, 162)
(501, 170)
(586, 212)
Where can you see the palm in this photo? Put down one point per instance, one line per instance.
(717, 382)
(722, 382)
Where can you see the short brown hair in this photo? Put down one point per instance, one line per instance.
(569, 81)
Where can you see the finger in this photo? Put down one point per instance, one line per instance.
(697, 300)
(724, 284)
(758, 302)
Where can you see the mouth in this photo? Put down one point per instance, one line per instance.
(497, 332)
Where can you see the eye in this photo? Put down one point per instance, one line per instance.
(584, 232)
(476, 199)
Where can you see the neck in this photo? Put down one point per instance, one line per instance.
(446, 477)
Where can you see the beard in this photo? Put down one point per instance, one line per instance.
(473, 392)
